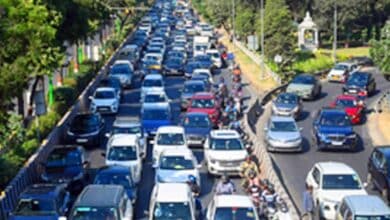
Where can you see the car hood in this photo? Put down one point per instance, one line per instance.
(197, 131)
(99, 102)
(130, 164)
(173, 66)
(186, 95)
(284, 105)
(284, 136)
(352, 110)
(209, 111)
(347, 130)
(299, 87)
(59, 174)
(228, 155)
(176, 176)
(338, 195)
(154, 124)
(39, 217)
(121, 76)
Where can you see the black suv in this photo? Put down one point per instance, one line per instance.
(86, 129)
(360, 82)
(378, 170)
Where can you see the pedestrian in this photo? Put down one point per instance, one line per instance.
(308, 203)
(225, 186)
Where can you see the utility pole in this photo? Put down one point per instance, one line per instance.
(262, 75)
(335, 32)
(233, 22)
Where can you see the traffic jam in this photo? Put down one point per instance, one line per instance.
(179, 139)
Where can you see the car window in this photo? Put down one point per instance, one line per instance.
(226, 144)
(60, 200)
(172, 211)
(222, 213)
(122, 153)
(35, 207)
(86, 213)
(341, 182)
(377, 159)
(177, 163)
(316, 175)
(342, 208)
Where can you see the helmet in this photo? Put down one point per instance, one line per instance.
(251, 174)
(225, 178)
(191, 179)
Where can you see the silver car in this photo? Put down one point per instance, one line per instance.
(282, 134)
(305, 86)
(287, 104)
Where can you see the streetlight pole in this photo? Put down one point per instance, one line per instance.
(233, 22)
(335, 32)
(262, 38)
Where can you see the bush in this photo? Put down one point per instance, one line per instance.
(10, 163)
(64, 97)
(320, 62)
(46, 124)
(29, 147)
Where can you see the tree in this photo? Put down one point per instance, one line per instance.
(278, 32)
(245, 20)
(380, 50)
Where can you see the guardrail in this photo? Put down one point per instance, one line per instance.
(31, 171)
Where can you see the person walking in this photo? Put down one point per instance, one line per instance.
(308, 203)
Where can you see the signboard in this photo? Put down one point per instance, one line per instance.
(253, 42)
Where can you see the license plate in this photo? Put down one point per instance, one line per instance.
(352, 91)
(81, 140)
(335, 77)
(337, 143)
(195, 142)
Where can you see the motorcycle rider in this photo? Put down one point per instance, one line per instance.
(225, 186)
(195, 189)
(247, 166)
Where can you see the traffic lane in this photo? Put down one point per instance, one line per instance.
(293, 168)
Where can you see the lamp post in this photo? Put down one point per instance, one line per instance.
(334, 32)
(262, 75)
(233, 22)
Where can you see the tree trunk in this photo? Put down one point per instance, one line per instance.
(33, 90)
(123, 22)
(20, 103)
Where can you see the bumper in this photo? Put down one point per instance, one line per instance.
(284, 147)
(216, 169)
(105, 109)
(294, 114)
(172, 72)
(348, 144)
(336, 78)
(196, 142)
(92, 140)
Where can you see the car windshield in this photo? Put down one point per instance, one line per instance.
(224, 213)
(34, 207)
(335, 120)
(359, 79)
(114, 179)
(193, 88)
(153, 98)
(340, 67)
(173, 61)
(120, 69)
(341, 182)
(152, 58)
(203, 58)
(197, 121)
(152, 83)
(155, 114)
(306, 80)
(202, 103)
(170, 139)
(172, 211)
(287, 98)
(122, 153)
(127, 130)
(64, 158)
(372, 217)
(176, 163)
(201, 47)
(104, 95)
(346, 103)
(84, 123)
(226, 144)
(88, 213)
(283, 126)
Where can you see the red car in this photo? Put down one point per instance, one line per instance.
(205, 102)
(352, 105)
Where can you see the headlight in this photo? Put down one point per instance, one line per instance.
(274, 108)
(323, 137)
(352, 136)
(114, 104)
(45, 177)
(295, 140)
(272, 139)
(93, 105)
(295, 109)
(213, 161)
(70, 133)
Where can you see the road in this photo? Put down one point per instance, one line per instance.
(294, 167)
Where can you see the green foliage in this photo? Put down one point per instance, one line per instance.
(314, 64)
(380, 50)
(64, 97)
(245, 17)
(10, 162)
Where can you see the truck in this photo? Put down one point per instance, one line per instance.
(200, 45)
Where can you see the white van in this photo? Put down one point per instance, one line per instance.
(362, 207)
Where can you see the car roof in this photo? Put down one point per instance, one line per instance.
(233, 201)
(224, 133)
(122, 62)
(100, 196)
(201, 70)
(170, 129)
(192, 82)
(332, 167)
(159, 105)
(282, 118)
(349, 97)
(153, 76)
(155, 91)
(186, 152)
(102, 89)
(123, 139)
(367, 205)
(200, 95)
(114, 169)
(385, 150)
(345, 63)
(126, 120)
(165, 192)
(41, 190)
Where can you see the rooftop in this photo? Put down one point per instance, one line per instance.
(100, 196)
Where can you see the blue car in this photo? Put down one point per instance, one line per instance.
(333, 130)
(118, 175)
(190, 67)
(173, 66)
(154, 115)
(42, 202)
(205, 61)
(197, 126)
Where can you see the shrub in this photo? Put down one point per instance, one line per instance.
(29, 147)
(320, 62)
(45, 125)
(64, 97)
(10, 163)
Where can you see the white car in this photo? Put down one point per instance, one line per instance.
(105, 100)
(155, 96)
(331, 182)
(231, 207)
(224, 152)
(168, 137)
(175, 165)
(156, 57)
(199, 27)
(204, 72)
(215, 57)
(152, 82)
(341, 71)
(207, 31)
(124, 150)
(124, 71)
(172, 201)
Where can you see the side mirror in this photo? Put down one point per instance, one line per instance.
(90, 97)
(107, 135)
(154, 165)
(103, 154)
(141, 154)
(265, 129)
(86, 163)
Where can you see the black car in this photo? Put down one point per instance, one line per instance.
(112, 82)
(379, 170)
(362, 61)
(173, 66)
(86, 129)
(360, 82)
(66, 164)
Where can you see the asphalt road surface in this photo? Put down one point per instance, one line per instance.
(293, 168)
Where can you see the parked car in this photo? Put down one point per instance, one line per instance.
(102, 202)
(232, 207)
(105, 100)
(283, 134)
(287, 104)
(124, 71)
(306, 86)
(167, 205)
(66, 164)
(168, 137)
(362, 207)
(155, 115)
(85, 129)
(190, 88)
(205, 102)
(378, 170)
(331, 182)
(124, 150)
(351, 105)
(341, 71)
(224, 152)
(175, 165)
(42, 201)
(118, 175)
(197, 126)
(360, 82)
(332, 129)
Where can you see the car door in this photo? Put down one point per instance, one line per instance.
(314, 179)
(210, 210)
(377, 169)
